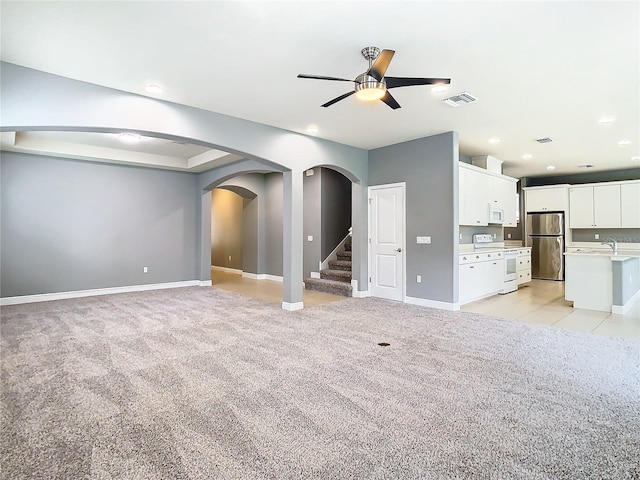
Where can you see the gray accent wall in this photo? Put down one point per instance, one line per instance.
(622, 235)
(336, 209)
(429, 166)
(68, 225)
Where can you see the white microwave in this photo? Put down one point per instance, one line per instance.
(496, 214)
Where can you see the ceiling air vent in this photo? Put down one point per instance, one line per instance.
(544, 140)
(460, 99)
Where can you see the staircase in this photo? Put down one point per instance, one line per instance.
(337, 278)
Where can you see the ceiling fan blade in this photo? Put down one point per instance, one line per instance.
(389, 100)
(337, 99)
(320, 77)
(394, 82)
(379, 67)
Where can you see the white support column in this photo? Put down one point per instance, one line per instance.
(292, 241)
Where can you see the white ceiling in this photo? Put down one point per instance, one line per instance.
(539, 69)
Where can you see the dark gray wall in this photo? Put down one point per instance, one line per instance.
(336, 209)
(273, 224)
(429, 166)
(312, 221)
(587, 177)
(69, 225)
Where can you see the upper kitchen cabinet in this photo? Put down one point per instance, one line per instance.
(595, 206)
(473, 187)
(630, 205)
(504, 195)
(479, 189)
(546, 199)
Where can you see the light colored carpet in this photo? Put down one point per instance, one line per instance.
(198, 383)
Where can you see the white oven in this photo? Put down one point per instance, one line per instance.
(510, 270)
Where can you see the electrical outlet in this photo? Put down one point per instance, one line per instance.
(597, 236)
(229, 257)
(460, 236)
(145, 269)
(309, 238)
(495, 236)
(508, 235)
(419, 278)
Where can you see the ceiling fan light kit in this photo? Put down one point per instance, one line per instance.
(373, 85)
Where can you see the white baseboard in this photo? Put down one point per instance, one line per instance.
(252, 276)
(292, 306)
(356, 293)
(622, 309)
(423, 302)
(47, 297)
(315, 274)
(273, 278)
(226, 269)
(206, 283)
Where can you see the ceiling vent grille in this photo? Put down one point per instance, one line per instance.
(544, 140)
(460, 99)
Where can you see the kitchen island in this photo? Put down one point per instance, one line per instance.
(602, 280)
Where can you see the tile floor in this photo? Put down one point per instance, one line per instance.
(539, 302)
(543, 302)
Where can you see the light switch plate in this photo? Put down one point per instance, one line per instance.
(309, 238)
(423, 240)
(597, 236)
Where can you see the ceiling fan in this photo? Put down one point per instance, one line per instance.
(372, 84)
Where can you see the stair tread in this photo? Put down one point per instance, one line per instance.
(344, 254)
(334, 287)
(337, 273)
(340, 262)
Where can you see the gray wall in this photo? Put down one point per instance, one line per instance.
(336, 209)
(312, 221)
(468, 231)
(273, 224)
(429, 166)
(69, 225)
(227, 223)
(622, 235)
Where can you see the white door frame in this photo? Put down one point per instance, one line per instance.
(402, 185)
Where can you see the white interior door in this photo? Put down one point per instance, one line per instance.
(387, 248)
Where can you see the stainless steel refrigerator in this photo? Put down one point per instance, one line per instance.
(545, 236)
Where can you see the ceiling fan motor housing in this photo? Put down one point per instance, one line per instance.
(364, 81)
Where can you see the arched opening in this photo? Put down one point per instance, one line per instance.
(327, 231)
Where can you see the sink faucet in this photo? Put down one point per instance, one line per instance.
(612, 243)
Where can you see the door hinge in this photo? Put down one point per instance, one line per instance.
(370, 201)
(369, 279)
(369, 240)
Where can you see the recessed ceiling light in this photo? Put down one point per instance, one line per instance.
(527, 156)
(439, 89)
(154, 88)
(312, 129)
(494, 140)
(624, 143)
(551, 167)
(129, 138)
(606, 120)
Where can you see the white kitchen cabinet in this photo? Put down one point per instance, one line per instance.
(480, 275)
(473, 197)
(523, 265)
(478, 188)
(546, 199)
(630, 205)
(596, 206)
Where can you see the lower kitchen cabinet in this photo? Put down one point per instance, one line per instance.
(523, 266)
(480, 275)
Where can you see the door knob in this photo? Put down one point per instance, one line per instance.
(398, 249)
